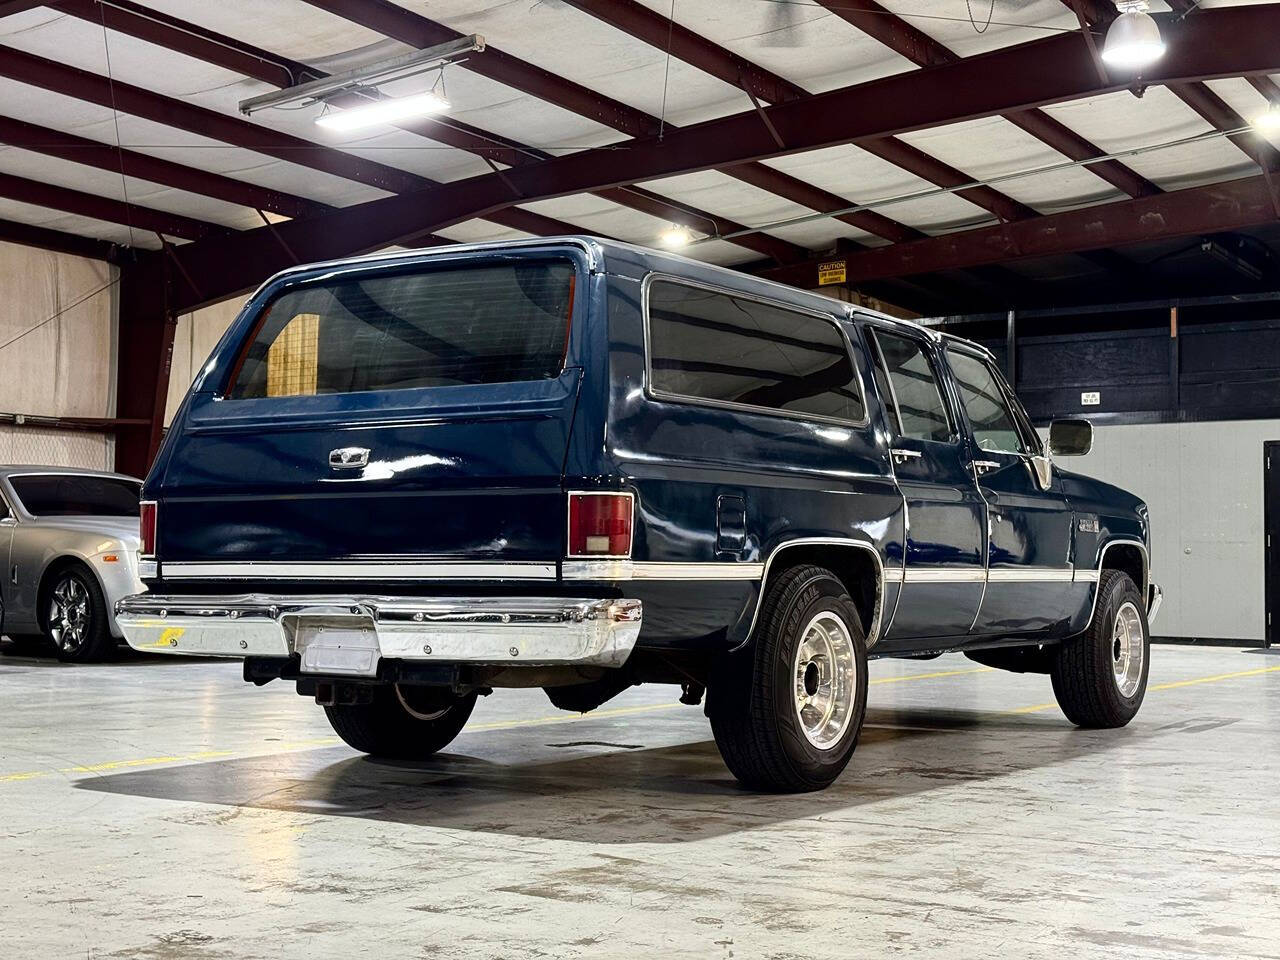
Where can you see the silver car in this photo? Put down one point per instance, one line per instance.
(70, 538)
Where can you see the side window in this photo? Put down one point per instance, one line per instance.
(4, 510)
(993, 423)
(912, 388)
(707, 345)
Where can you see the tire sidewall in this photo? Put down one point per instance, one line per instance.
(820, 593)
(91, 646)
(1119, 591)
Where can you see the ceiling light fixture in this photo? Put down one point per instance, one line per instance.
(1269, 120)
(390, 110)
(676, 236)
(361, 78)
(1133, 39)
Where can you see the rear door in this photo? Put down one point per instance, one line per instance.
(944, 565)
(395, 421)
(1029, 569)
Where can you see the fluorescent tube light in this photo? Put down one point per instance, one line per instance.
(387, 111)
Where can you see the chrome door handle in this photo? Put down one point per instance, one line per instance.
(902, 456)
(985, 466)
(349, 458)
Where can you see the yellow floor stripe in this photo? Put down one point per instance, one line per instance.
(1035, 708)
(297, 745)
(931, 676)
(1221, 676)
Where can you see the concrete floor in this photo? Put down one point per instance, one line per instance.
(166, 809)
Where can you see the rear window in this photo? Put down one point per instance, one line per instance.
(70, 495)
(488, 323)
(721, 348)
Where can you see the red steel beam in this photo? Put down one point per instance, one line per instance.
(1234, 205)
(124, 16)
(103, 208)
(83, 85)
(655, 29)
(134, 20)
(1221, 116)
(29, 235)
(1227, 41)
(667, 35)
(392, 20)
(922, 50)
(104, 156)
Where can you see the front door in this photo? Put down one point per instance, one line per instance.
(1029, 565)
(944, 566)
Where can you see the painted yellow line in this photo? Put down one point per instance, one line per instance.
(1221, 676)
(932, 676)
(118, 765)
(297, 745)
(1035, 708)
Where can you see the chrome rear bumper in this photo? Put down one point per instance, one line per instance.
(1154, 598)
(349, 635)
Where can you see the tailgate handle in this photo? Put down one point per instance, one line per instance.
(349, 458)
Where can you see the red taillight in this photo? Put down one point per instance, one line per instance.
(600, 524)
(147, 516)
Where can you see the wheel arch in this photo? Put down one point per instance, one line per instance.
(1127, 556)
(857, 563)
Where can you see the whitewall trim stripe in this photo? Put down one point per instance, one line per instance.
(374, 570)
(643, 570)
(1030, 575)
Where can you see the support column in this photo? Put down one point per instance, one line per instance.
(142, 366)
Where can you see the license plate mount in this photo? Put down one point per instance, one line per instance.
(338, 646)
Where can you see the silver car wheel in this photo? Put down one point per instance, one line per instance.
(69, 613)
(1128, 650)
(825, 675)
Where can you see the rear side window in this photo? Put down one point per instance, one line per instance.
(73, 495)
(488, 323)
(712, 346)
(913, 395)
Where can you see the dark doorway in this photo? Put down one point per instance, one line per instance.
(1271, 543)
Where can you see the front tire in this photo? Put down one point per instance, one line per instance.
(1100, 677)
(76, 616)
(787, 712)
(402, 723)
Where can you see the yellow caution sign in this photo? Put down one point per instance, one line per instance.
(831, 272)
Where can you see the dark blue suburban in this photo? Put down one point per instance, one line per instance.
(404, 480)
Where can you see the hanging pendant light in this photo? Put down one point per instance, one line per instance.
(1133, 39)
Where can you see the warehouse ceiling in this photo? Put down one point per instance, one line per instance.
(120, 126)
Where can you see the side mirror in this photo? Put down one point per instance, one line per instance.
(1070, 438)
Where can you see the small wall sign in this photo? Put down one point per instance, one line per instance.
(1090, 398)
(831, 272)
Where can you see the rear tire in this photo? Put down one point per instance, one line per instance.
(75, 615)
(403, 723)
(1100, 677)
(787, 711)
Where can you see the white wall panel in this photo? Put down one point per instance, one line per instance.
(1203, 485)
(194, 339)
(57, 353)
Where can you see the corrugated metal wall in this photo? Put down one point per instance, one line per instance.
(1203, 484)
(57, 353)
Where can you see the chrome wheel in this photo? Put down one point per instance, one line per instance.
(1128, 650)
(825, 675)
(70, 615)
(424, 703)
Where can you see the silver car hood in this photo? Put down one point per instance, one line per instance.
(118, 528)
